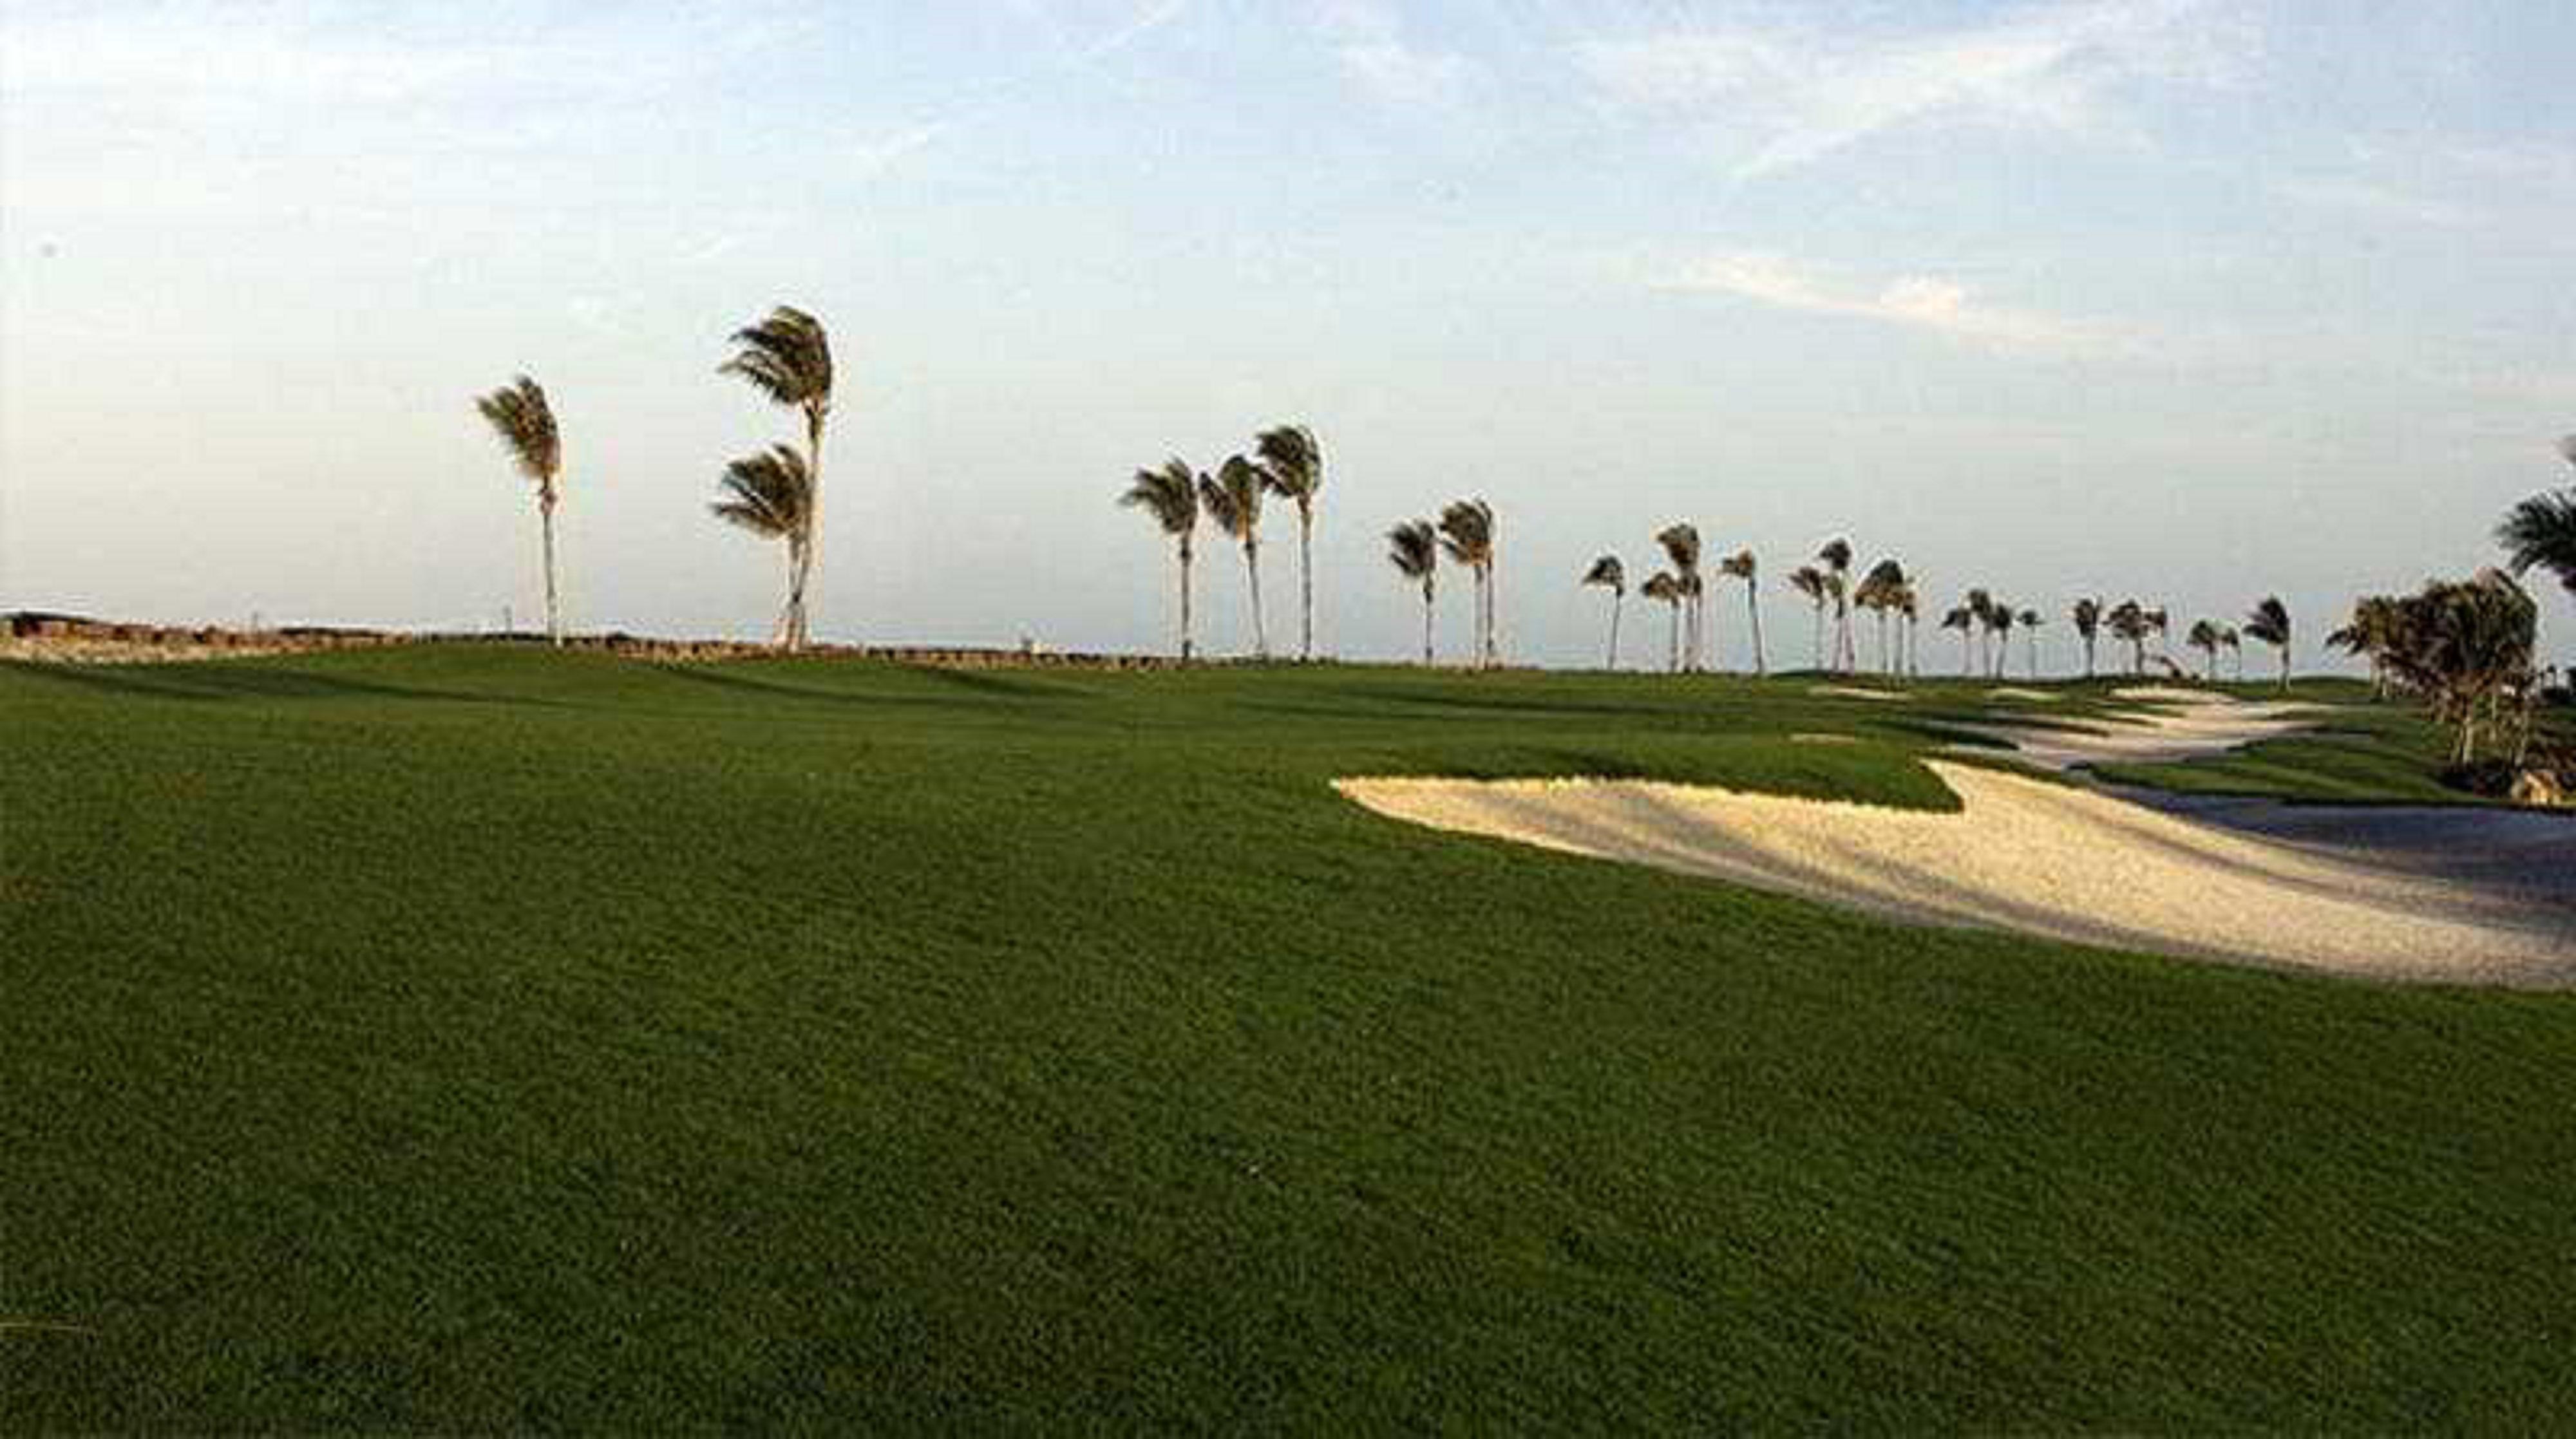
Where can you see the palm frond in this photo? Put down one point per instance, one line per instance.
(787, 357)
(1608, 573)
(1681, 546)
(1413, 547)
(2541, 532)
(519, 414)
(1232, 496)
(1837, 554)
(1467, 531)
(1662, 586)
(769, 493)
(2270, 621)
(1739, 565)
(1169, 494)
(1292, 464)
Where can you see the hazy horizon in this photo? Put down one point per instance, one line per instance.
(2191, 300)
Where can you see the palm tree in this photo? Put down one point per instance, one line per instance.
(2000, 620)
(2031, 620)
(1681, 546)
(1292, 467)
(1810, 581)
(1837, 555)
(2159, 624)
(1981, 608)
(1467, 533)
(1882, 591)
(1171, 496)
(1741, 565)
(1232, 498)
(2088, 625)
(1413, 547)
(1909, 609)
(2541, 530)
(2370, 633)
(2234, 644)
(788, 357)
(526, 424)
(1613, 576)
(771, 494)
(2128, 623)
(2204, 637)
(1661, 586)
(1964, 620)
(2270, 623)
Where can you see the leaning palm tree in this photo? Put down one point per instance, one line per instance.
(1882, 592)
(1810, 581)
(2031, 620)
(2234, 643)
(2001, 621)
(1964, 620)
(2127, 622)
(1232, 498)
(526, 424)
(2204, 637)
(1837, 555)
(1741, 566)
(2088, 627)
(1608, 573)
(2371, 633)
(2270, 623)
(1681, 546)
(1467, 533)
(2159, 624)
(771, 494)
(1981, 608)
(788, 357)
(1171, 496)
(1413, 547)
(1292, 466)
(1663, 588)
(2541, 531)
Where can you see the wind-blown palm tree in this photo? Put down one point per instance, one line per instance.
(1909, 609)
(2159, 624)
(1837, 555)
(1663, 588)
(1292, 466)
(2270, 623)
(1467, 533)
(2234, 643)
(1882, 592)
(1810, 581)
(1981, 608)
(1232, 498)
(2127, 622)
(2031, 620)
(2001, 621)
(1608, 573)
(2087, 615)
(1741, 566)
(2541, 531)
(1681, 546)
(788, 357)
(2371, 633)
(2204, 637)
(526, 424)
(1964, 620)
(1171, 496)
(771, 494)
(1413, 547)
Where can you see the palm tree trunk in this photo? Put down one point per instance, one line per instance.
(813, 521)
(1426, 625)
(1493, 610)
(786, 634)
(2285, 669)
(1185, 599)
(554, 612)
(1753, 608)
(1616, 599)
(1252, 573)
(1306, 577)
(1820, 636)
(1673, 647)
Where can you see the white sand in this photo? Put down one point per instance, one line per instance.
(1855, 692)
(2008, 692)
(2179, 725)
(2032, 856)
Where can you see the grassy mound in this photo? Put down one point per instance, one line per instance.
(477, 1039)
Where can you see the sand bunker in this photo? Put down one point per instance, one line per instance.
(2181, 725)
(2008, 692)
(1855, 692)
(2027, 855)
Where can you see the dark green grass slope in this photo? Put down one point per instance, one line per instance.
(470, 1039)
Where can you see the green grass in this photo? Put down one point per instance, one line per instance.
(475, 1038)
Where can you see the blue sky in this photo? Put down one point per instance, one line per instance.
(2186, 299)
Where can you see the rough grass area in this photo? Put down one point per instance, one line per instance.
(481, 1039)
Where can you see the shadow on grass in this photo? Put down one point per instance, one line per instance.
(236, 681)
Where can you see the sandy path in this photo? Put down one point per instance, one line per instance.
(2181, 725)
(2032, 856)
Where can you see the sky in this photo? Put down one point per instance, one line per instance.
(2191, 300)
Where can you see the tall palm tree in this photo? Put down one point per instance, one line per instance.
(1171, 496)
(788, 357)
(1232, 498)
(1663, 588)
(1741, 565)
(1467, 533)
(2234, 643)
(2127, 622)
(2371, 633)
(2088, 626)
(771, 494)
(1964, 620)
(2159, 624)
(1413, 547)
(2270, 623)
(1292, 466)
(2204, 637)
(2001, 620)
(1837, 555)
(1681, 546)
(2541, 531)
(526, 424)
(1981, 608)
(1882, 592)
(1810, 581)
(1608, 573)
(1909, 610)
(2031, 620)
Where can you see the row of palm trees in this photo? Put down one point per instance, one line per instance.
(1286, 461)
(775, 493)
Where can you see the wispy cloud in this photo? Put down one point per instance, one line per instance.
(1375, 53)
(1920, 302)
(1806, 94)
(877, 155)
(2372, 201)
